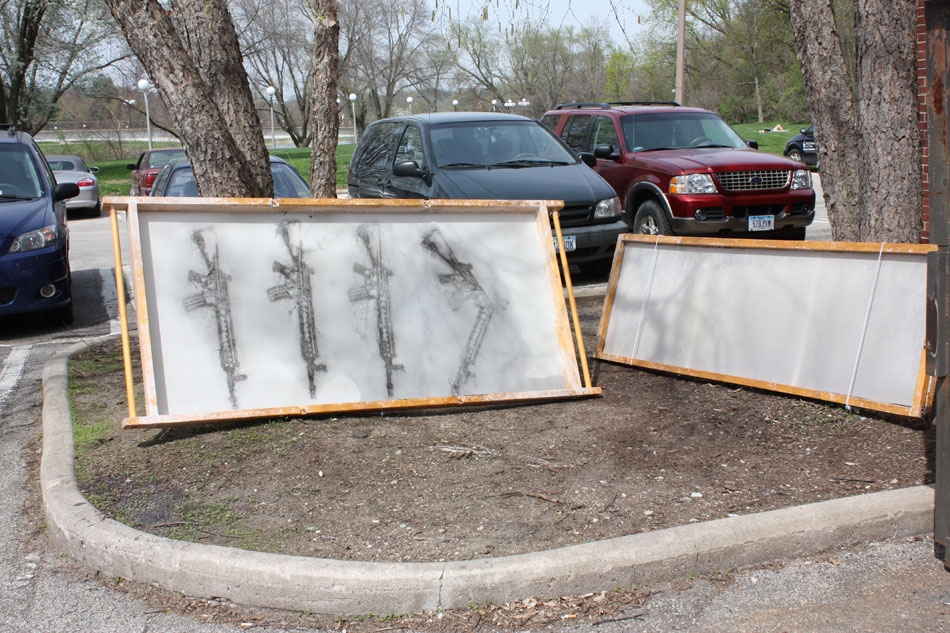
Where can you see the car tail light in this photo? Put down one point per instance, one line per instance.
(150, 177)
(86, 182)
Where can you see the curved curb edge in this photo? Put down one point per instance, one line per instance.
(350, 587)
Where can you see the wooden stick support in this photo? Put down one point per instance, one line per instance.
(556, 217)
(123, 315)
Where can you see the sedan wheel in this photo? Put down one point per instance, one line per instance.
(796, 154)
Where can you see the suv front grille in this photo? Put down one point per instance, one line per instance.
(754, 180)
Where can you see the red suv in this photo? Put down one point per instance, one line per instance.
(684, 171)
(145, 170)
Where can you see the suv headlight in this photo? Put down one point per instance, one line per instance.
(40, 238)
(607, 208)
(801, 179)
(692, 183)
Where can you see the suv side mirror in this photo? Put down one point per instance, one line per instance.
(588, 159)
(606, 152)
(65, 190)
(752, 144)
(130, 167)
(804, 130)
(411, 169)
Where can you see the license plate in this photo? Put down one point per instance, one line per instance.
(570, 243)
(761, 222)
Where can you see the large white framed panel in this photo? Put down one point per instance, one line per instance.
(843, 322)
(250, 308)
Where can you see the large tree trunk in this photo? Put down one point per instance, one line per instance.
(323, 106)
(221, 158)
(869, 145)
(833, 112)
(891, 173)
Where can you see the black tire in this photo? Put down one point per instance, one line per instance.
(651, 220)
(796, 154)
(96, 211)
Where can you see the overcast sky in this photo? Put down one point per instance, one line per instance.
(574, 13)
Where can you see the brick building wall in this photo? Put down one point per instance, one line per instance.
(922, 110)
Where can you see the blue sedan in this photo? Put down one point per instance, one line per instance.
(34, 240)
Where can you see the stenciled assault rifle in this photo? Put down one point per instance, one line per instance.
(213, 293)
(375, 288)
(466, 287)
(296, 286)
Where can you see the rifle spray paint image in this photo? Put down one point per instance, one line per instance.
(297, 287)
(465, 286)
(213, 293)
(375, 287)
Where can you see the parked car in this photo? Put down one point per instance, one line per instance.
(684, 171)
(487, 155)
(176, 178)
(146, 169)
(802, 147)
(73, 169)
(34, 239)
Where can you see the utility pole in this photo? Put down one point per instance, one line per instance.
(680, 52)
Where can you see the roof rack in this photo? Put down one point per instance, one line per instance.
(630, 103)
(8, 128)
(609, 104)
(564, 106)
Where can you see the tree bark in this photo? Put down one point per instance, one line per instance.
(221, 160)
(323, 106)
(833, 110)
(890, 168)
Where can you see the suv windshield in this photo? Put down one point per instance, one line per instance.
(497, 144)
(18, 176)
(677, 130)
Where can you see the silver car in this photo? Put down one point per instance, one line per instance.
(73, 169)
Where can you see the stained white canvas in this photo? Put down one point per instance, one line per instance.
(487, 326)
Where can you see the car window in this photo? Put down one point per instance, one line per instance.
(18, 174)
(378, 149)
(182, 183)
(575, 131)
(288, 183)
(483, 143)
(157, 159)
(410, 147)
(62, 165)
(159, 186)
(603, 133)
(550, 120)
(677, 130)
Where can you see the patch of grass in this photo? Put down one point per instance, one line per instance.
(772, 142)
(87, 434)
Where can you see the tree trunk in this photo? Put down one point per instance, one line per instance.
(208, 33)
(833, 111)
(323, 106)
(221, 160)
(891, 173)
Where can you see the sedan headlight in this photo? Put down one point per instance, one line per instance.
(607, 208)
(692, 183)
(801, 179)
(40, 238)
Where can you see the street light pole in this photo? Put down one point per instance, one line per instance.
(271, 91)
(455, 104)
(353, 106)
(144, 85)
(409, 101)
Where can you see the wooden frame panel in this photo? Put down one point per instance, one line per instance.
(256, 308)
(842, 322)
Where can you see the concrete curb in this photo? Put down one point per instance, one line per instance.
(348, 587)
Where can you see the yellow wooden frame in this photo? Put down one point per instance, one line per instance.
(578, 384)
(925, 387)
